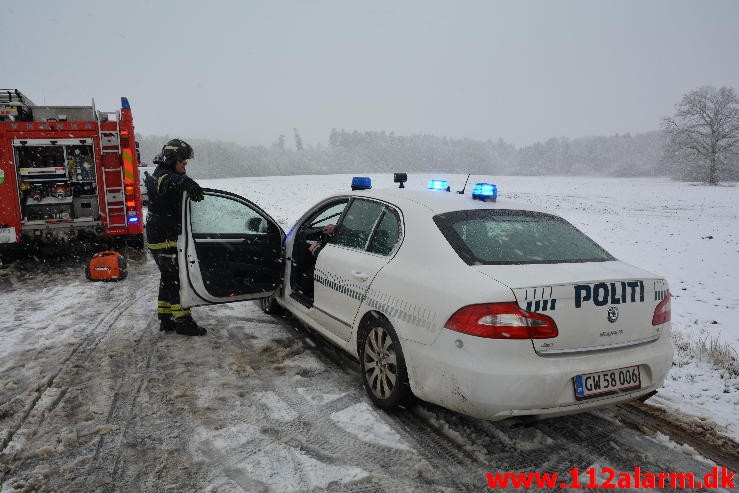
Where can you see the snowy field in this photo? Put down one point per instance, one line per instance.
(687, 233)
(94, 398)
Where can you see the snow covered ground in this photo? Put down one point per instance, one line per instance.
(93, 397)
(685, 232)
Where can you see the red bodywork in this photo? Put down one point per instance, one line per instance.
(47, 203)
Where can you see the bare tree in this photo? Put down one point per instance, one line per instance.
(298, 140)
(703, 136)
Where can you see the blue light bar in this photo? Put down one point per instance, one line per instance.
(438, 185)
(485, 191)
(124, 104)
(361, 183)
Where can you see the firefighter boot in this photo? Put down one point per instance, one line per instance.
(187, 327)
(166, 325)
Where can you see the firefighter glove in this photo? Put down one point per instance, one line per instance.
(149, 181)
(194, 190)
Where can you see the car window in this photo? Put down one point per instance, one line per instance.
(358, 222)
(329, 215)
(488, 236)
(222, 215)
(386, 235)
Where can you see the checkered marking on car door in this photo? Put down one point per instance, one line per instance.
(339, 284)
(393, 307)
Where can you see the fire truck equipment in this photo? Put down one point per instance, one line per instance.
(38, 191)
(107, 266)
(60, 190)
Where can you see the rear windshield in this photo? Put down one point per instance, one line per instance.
(499, 236)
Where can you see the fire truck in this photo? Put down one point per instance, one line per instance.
(67, 172)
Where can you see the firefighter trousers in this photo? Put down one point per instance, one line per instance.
(168, 304)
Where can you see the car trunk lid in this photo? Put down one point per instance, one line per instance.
(596, 305)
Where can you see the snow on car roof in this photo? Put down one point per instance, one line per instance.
(440, 201)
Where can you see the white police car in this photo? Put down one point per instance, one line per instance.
(492, 309)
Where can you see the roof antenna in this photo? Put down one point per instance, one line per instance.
(465, 185)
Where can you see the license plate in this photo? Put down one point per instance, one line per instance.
(607, 382)
(7, 235)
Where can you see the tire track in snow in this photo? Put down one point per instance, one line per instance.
(122, 412)
(293, 412)
(39, 407)
(701, 436)
(314, 432)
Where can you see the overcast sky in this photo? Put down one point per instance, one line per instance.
(248, 71)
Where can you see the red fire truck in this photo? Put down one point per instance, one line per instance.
(67, 172)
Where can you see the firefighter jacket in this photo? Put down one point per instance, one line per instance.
(163, 221)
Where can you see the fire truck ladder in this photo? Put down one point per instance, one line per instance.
(15, 106)
(113, 182)
(14, 96)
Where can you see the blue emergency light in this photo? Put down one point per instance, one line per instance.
(133, 217)
(438, 185)
(361, 183)
(124, 104)
(485, 191)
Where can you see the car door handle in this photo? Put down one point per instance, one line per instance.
(362, 276)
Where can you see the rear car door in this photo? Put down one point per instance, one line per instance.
(229, 250)
(363, 243)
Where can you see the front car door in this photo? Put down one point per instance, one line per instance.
(363, 243)
(229, 250)
(302, 260)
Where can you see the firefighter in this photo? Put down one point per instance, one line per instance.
(163, 220)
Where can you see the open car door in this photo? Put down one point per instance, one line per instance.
(229, 250)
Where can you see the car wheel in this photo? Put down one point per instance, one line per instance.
(384, 372)
(270, 306)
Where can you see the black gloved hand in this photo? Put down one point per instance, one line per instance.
(196, 194)
(193, 190)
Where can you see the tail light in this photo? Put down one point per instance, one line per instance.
(663, 311)
(502, 321)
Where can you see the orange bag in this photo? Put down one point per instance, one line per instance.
(107, 266)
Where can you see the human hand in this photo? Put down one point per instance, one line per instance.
(196, 195)
(194, 190)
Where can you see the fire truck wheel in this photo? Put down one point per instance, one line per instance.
(135, 241)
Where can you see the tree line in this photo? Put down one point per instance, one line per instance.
(366, 152)
(699, 143)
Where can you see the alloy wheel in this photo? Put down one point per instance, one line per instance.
(380, 363)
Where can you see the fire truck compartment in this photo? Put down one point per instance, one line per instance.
(48, 208)
(56, 180)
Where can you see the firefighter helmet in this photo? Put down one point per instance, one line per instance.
(173, 151)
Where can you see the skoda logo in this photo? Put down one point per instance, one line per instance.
(612, 314)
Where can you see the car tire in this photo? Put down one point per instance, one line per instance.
(270, 306)
(384, 373)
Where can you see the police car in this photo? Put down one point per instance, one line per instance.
(487, 307)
